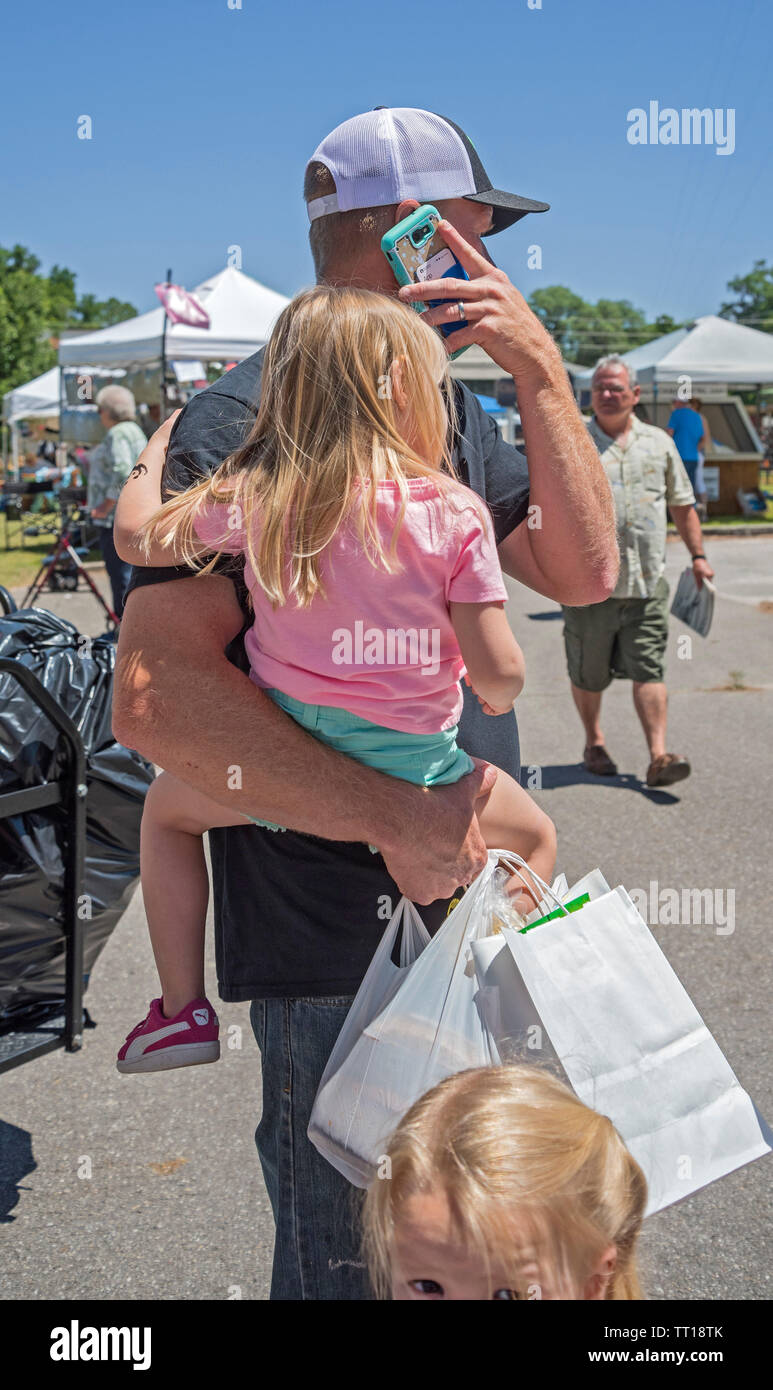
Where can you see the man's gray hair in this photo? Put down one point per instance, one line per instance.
(118, 401)
(615, 360)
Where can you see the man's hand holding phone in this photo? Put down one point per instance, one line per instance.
(498, 317)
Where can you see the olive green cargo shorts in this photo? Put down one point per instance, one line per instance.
(621, 638)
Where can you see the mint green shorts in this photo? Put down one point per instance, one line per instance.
(427, 760)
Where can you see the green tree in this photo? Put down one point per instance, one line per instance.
(114, 310)
(557, 307)
(35, 308)
(25, 347)
(61, 296)
(664, 324)
(609, 325)
(753, 304)
(91, 312)
(584, 332)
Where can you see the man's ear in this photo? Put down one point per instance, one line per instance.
(407, 206)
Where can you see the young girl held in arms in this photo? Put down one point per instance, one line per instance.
(374, 582)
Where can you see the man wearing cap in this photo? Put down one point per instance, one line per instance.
(625, 636)
(298, 915)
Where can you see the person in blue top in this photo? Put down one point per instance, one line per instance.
(687, 431)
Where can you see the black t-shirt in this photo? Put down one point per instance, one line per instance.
(296, 915)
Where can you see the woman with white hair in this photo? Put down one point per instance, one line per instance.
(110, 464)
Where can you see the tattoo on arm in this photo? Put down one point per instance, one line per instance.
(138, 470)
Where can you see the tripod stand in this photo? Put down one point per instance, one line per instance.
(64, 568)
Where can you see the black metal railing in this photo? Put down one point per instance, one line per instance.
(69, 791)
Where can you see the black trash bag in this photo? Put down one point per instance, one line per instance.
(78, 672)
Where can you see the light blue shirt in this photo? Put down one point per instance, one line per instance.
(110, 464)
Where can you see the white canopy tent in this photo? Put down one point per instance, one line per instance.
(241, 313)
(709, 358)
(37, 399)
(709, 350)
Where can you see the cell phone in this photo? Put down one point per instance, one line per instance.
(416, 252)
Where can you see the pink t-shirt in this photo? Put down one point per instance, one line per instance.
(380, 645)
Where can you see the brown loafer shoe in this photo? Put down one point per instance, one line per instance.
(667, 769)
(597, 760)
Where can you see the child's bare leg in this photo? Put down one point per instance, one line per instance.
(509, 819)
(175, 884)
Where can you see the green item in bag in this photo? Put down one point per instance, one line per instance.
(573, 906)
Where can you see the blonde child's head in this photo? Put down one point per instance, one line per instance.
(501, 1183)
(350, 394)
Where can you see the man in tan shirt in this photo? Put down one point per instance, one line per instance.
(626, 635)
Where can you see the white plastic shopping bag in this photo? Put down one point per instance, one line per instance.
(382, 979)
(634, 1047)
(428, 1029)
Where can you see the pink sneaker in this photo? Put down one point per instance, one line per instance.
(158, 1043)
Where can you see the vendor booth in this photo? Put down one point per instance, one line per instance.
(140, 353)
(36, 400)
(241, 315)
(152, 348)
(707, 359)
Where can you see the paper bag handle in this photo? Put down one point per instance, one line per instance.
(517, 863)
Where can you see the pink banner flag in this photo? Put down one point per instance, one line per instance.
(181, 307)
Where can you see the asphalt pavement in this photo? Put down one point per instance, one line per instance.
(149, 1187)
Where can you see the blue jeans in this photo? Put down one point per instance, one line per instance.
(691, 469)
(316, 1211)
(118, 571)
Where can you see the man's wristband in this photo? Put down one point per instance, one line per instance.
(699, 556)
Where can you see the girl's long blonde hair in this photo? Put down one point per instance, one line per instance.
(513, 1148)
(326, 428)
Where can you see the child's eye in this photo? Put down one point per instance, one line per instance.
(506, 1294)
(426, 1286)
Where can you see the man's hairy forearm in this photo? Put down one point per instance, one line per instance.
(181, 703)
(567, 481)
(688, 525)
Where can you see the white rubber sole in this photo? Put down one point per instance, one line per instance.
(167, 1058)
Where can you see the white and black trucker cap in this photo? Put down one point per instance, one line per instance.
(397, 152)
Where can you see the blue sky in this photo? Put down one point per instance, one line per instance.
(204, 117)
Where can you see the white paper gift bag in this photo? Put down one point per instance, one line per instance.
(634, 1047)
(428, 1029)
(512, 1018)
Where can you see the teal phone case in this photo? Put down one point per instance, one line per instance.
(405, 256)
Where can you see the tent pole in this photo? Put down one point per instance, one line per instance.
(62, 404)
(162, 409)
